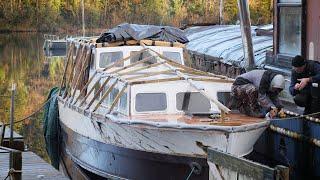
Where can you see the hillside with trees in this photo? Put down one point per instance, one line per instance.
(52, 15)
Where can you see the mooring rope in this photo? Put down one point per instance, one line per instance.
(32, 114)
(10, 172)
(190, 173)
(295, 135)
(297, 116)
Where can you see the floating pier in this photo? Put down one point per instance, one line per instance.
(24, 164)
(33, 167)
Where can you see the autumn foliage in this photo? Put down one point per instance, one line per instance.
(48, 15)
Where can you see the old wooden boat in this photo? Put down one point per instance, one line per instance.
(133, 110)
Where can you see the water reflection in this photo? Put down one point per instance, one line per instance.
(22, 61)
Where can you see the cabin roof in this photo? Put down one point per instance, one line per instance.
(158, 68)
(224, 42)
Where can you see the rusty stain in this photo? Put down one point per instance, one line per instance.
(234, 119)
(202, 146)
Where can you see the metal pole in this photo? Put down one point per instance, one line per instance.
(13, 89)
(221, 12)
(83, 25)
(246, 34)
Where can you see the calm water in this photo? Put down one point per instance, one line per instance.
(22, 61)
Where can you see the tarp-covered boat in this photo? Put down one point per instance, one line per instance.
(133, 110)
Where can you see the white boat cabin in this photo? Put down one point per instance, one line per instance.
(141, 80)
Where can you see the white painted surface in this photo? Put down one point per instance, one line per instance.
(172, 89)
(311, 51)
(126, 50)
(159, 140)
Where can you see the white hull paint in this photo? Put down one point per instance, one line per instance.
(172, 141)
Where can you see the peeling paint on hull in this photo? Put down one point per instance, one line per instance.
(126, 147)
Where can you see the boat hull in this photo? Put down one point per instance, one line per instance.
(113, 150)
(111, 161)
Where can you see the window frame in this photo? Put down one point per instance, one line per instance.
(285, 57)
(195, 92)
(100, 54)
(157, 111)
(175, 60)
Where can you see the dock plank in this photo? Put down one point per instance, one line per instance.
(33, 167)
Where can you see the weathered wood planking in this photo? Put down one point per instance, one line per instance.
(33, 167)
(230, 167)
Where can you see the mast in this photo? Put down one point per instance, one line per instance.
(246, 34)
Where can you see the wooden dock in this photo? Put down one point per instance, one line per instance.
(33, 167)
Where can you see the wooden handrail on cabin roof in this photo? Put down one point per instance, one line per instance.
(180, 72)
(145, 42)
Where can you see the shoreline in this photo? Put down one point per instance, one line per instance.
(58, 31)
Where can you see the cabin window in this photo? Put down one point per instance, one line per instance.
(96, 88)
(123, 103)
(192, 102)
(290, 30)
(92, 63)
(139, 57)
(151, 102)
(106, 100)
(113, 94)
(107, 58)
(175, 56)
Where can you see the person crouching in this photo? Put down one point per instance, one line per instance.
(255, 93)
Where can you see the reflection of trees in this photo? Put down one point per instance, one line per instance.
(22, 62)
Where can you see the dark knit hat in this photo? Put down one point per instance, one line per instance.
(298, 61)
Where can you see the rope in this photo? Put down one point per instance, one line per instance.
(10, 172)
(307, 116)
(295, 135)
(32, 114)
(190, 173)
(7, 176)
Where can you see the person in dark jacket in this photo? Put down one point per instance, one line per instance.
(305, 75)
(256, 92)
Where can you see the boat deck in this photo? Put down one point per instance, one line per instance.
(232, 119)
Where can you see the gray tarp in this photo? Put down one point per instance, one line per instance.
(127, 31)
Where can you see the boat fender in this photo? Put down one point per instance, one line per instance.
(51, 127)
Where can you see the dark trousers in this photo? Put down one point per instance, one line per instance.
(303, 100)
(310, 100)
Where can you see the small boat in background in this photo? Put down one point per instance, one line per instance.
(54, 46)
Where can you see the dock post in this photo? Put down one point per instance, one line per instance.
(13, 89)
(16, 165)
(15, 170)
(2, 131)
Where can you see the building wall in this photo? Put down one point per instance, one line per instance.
(313, 33)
